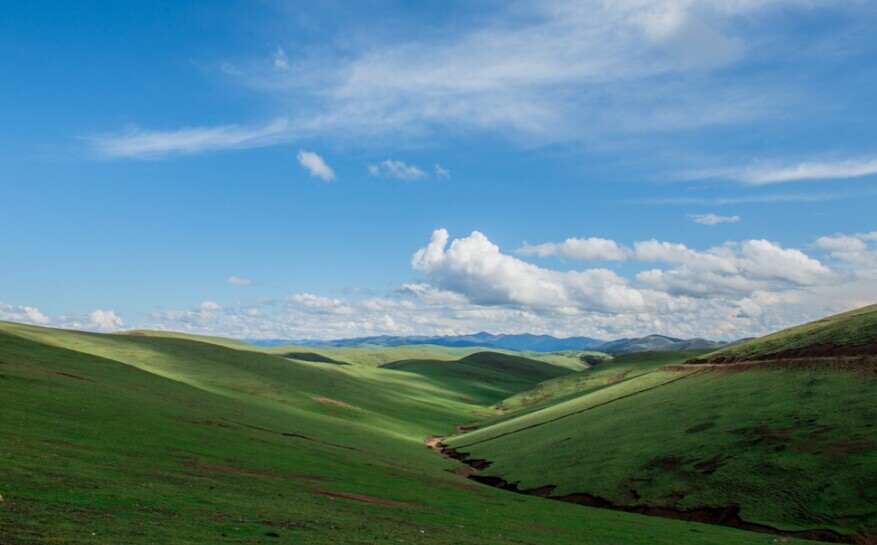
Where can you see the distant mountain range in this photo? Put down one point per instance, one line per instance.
(520, 343)
(655, 342)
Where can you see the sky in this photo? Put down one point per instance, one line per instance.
(265, 169)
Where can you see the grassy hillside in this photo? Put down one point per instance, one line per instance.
(621, 368)
(852, 333)
(484, 377)
(149, 439)
(794, 448)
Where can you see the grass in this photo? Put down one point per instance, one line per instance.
(621, 368)
(483, 377)
(145, 439)
(848, 330)
(793, 447)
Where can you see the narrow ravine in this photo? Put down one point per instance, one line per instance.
(722, 516)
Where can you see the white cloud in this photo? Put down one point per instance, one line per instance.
(396, 170)
(738, 289)
(105, 320)
(23, 314)
(536, 69)
(764, 172)
(209, 306)
(474, 267)
(140, 144)
(441, 172)
(713, 219)
(585, 249)
(238, 281)
(315, 164)
(674, 27)
(858, 251)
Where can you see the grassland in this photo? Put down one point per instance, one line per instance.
(143, 439)
(793, 446)
(852, 333)
(619, 369)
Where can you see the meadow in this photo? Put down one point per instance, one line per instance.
(167, 438)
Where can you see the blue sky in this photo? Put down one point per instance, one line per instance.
(267, 169)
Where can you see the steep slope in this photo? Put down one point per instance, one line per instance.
(788, 447)
(115, 439)
(852, 333)
(620, 368)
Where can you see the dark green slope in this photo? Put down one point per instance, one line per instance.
(787, 446)
(483, 377)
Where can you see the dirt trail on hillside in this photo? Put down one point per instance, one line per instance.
(721, 516)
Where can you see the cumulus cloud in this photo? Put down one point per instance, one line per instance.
(474, 267)
(713, 219)
(585, 249)
(209, 306)
(735, 290)
(858, 250)
(396, 170)
(105, 320)
(315, 165)
(23, 314)
(238, 281)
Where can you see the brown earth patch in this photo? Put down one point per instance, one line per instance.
(703, 426)
(710, 465)
(215, 468)
(212, 423)
(327, 401)
(666, 463)
(367, 499)
(46, 371)
(617, 378)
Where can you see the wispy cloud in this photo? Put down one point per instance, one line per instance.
(396, 170)
(441, 172)
(238, 281)
(574, 53)
(713, 219)
(137, 143)
(765, 172)
(315, 164)
(754, 199)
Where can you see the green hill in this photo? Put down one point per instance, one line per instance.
(852, 333)
(143, 439)
(483, 377)
(790, 447)
(619, 369)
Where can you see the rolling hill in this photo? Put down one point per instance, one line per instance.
(852, 334)
(777, 445)
(654, 342)
(517, 342)
(172, 439)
